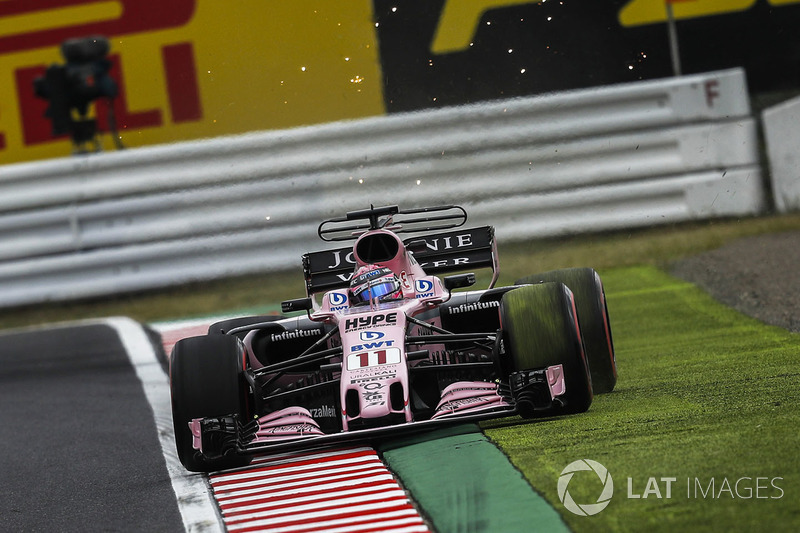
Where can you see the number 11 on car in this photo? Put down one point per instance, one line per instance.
(389, 356)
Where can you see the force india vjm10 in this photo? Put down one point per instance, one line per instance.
(391, 347)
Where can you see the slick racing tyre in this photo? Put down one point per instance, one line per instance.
(590, 300)
(206, 381)
(540, 329)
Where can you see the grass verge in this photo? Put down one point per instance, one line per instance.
(705, 395)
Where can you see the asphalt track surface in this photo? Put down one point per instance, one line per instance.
(80, 445)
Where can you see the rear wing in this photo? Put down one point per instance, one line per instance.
(453, 251)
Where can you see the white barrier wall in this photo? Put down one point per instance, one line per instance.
(782, 135)
(612, 157)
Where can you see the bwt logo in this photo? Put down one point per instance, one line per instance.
(424, 288)
(371, 335)
(585, 509)
(337, 298)
(423, 285)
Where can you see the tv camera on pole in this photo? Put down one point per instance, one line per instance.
(71, 88)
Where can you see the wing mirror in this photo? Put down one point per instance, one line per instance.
(458, 281)
(299, 304)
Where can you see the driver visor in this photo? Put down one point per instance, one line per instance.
(378, 290)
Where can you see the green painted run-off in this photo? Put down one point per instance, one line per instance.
(463, 483)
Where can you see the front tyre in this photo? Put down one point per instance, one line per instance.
(206, 380)
(540, 329)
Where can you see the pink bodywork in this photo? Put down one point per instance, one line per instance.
(555, 380)
(374, 351)
(468, 397)
(373, 336)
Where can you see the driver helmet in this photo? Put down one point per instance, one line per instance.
(371, 281)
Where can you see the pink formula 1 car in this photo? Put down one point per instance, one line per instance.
(383, 344)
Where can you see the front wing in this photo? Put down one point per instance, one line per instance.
(216, 437)
(294, 428)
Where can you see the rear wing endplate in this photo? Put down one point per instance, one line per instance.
(453, 251)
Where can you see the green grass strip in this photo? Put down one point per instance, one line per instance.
(705, 395)
(462, 482)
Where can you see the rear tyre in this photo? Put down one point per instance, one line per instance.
(206, 380)
(540, 329)
(590, 300)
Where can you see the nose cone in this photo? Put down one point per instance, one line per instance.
(375, 402)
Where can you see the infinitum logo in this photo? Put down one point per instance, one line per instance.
(585, 509)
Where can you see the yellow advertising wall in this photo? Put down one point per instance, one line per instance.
(218, 67)
(190, 69)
